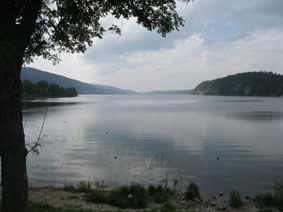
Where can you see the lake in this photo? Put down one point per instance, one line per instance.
(220, 143)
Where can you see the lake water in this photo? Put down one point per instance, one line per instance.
(221, 143)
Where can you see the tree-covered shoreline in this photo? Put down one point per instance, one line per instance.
(43, 89)
(243, 84)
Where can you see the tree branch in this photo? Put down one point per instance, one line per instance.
(30, 15)
(37, 143)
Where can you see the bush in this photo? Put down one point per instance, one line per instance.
(140, 196)
(235, 199)
(96, 197)
(160, 193)
(69, 187)
(151, 190)
(192, 192)
(134, 196)
(264, 200)
(117, 199)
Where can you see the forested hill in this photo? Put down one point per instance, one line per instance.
(35, 75)
(42, 89)
(243, 84)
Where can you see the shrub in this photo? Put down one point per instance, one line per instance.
(235, 199)
(96, 197)
(151, 190)
(69, 187)
(133, 196)
(160, 193)
(192, 192)
(140, 197)
(264, 200)
(115, 198)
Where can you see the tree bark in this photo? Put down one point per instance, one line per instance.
(17, 25)
(12, 144)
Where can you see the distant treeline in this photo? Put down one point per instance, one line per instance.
(244, 84)
(43, 89)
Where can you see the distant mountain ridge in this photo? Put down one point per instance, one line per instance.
(243, 84)
(35, 75)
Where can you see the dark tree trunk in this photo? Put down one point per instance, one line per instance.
(17, 25)
(12, 143)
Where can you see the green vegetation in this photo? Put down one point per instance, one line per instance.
(133, 196)
(266, 201)
(192, 192)
(160, 193)
(43, 89)
(235, 199)
(127, 196)
(243, 84)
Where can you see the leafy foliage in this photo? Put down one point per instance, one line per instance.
(43, 89)
(71, 25)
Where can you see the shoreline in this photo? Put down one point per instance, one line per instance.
(58, 198)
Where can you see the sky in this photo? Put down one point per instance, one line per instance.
(220, 38)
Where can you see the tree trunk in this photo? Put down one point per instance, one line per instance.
(12, 144)
(17, 25)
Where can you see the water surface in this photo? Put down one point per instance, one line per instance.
(221, 143)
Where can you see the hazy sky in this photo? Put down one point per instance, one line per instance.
(220, 37)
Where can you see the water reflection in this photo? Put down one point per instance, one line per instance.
(36, 104)
(149, 138)
(259, 116)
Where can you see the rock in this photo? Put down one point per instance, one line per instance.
(247, 197)
(130, 196)
(213, 204)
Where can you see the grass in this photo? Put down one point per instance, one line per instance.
(160, 193)
(82, 187)
(267, 201)
(132, 196)
(127, 196)
(235, 199)
(192, 192)
(271, 200)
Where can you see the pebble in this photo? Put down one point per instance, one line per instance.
(213, 203)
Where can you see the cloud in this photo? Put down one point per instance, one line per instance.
(221, 37)
(191, 61)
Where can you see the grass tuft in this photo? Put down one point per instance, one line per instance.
(192, 192)
(160, 193)
(235, 199)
